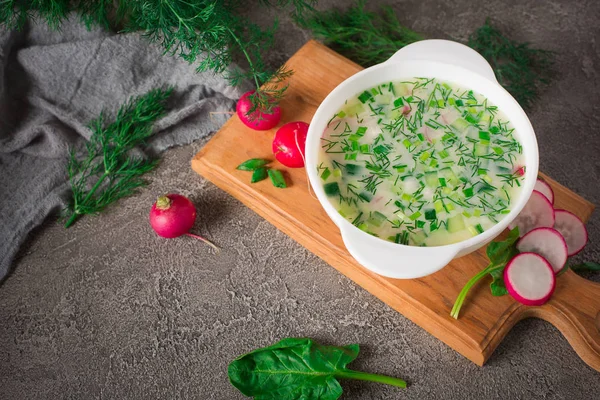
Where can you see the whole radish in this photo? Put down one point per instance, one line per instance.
(289, 143)
(256, 120)
(173, 215)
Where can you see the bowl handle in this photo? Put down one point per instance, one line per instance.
(448, 52)
(396, 261)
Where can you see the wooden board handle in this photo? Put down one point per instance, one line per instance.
(575, 311)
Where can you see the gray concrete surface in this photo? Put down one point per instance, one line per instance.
(108, 310)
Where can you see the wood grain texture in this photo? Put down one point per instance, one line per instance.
(485, 320)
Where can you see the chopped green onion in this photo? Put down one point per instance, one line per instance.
(430, 214)
(366, 196)
(381, 149)
(415, 216)
(352, 169)
(331, 189)
(324, 175)
(364, 97)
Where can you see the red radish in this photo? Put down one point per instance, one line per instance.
(173, 215)
(256, 120)
(520, 171)
(537, 213)
(529, 279)
(548, 243)
(289, 143)
(572, 229)
(544, 189)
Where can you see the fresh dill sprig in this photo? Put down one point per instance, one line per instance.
(365, 37)
(518, 67)
(209, 32)
(107, 171)
(369, 38)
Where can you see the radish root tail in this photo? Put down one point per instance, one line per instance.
(208, 242)
(305, 166)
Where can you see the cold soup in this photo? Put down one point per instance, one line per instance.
(421, 162)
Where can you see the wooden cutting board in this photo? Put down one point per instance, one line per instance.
(485, 320)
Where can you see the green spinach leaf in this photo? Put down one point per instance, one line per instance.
(497, 286)
(499, 253)
(298, 368)
(586, 266)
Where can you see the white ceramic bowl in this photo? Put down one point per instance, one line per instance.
(448, 61)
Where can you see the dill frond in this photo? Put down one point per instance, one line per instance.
(369, 38)
(107, 170)
(365, 37)
(522, 70)
(207, 32)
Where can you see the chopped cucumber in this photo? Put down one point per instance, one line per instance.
(431, 179)
(460, 124)
(455, 224)
(480, 149)
(377, 219)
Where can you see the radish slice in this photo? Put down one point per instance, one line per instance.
(572, 229)
(544, 189)
(548, 243)
(537, 213)
(529, 279)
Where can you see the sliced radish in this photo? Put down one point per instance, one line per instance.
(544, 189)
(520, 171)
(548, 243)
(529, 279)
(572, 229)
(537, 213)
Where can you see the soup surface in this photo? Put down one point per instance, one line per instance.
(421, 162)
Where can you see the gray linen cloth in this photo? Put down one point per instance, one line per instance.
(53, 83)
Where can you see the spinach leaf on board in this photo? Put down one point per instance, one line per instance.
(499, 253)
(298, 368)
(586, 266)
(497, 286)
